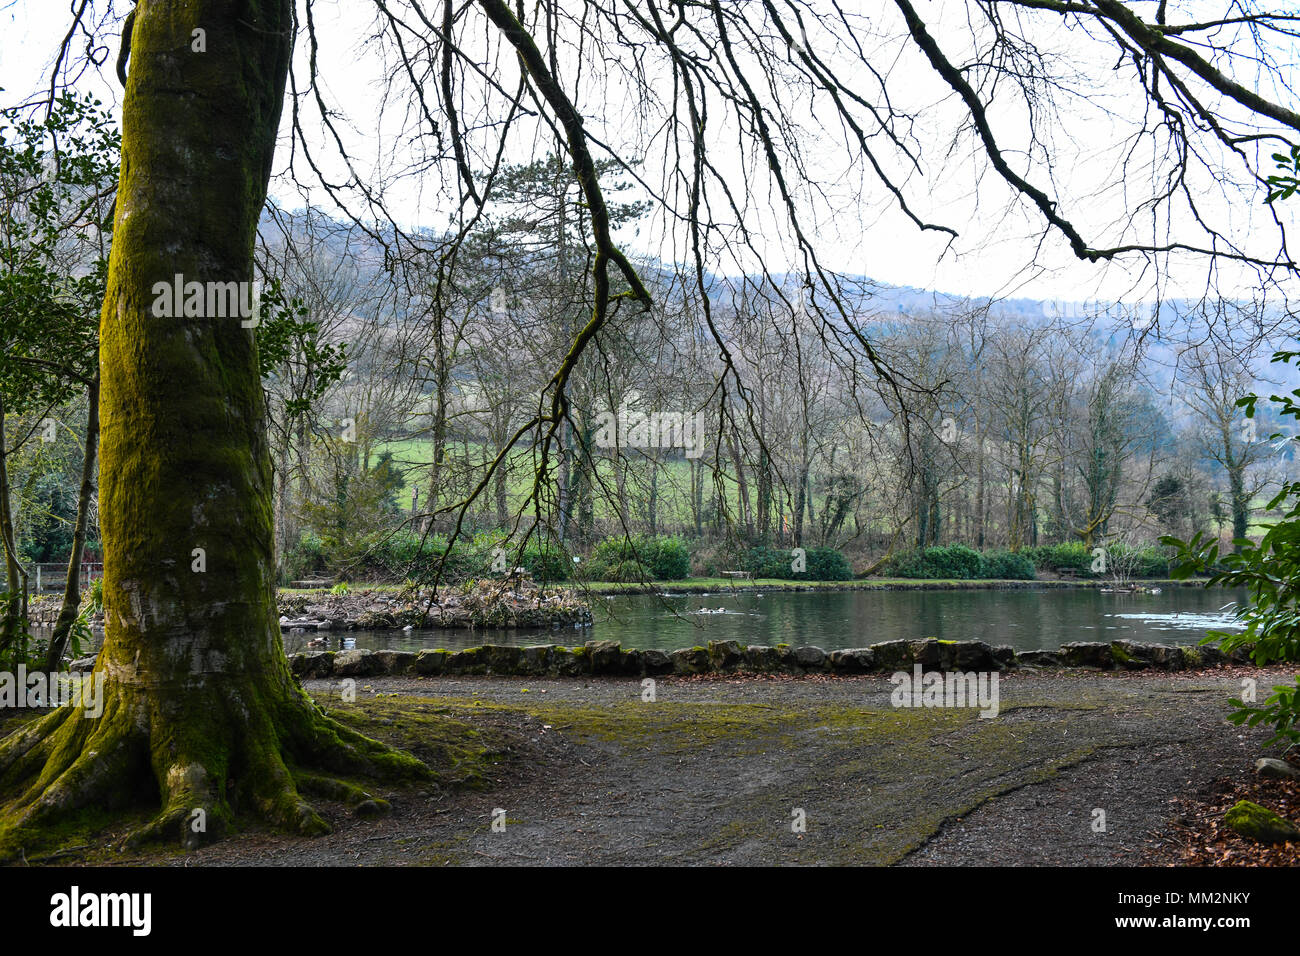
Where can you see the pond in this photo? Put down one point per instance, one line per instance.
(1024, 619)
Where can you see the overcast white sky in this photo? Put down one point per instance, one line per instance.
(859, 228)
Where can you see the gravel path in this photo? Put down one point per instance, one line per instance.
(722, 770)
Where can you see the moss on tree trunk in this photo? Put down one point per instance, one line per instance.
(201, 711)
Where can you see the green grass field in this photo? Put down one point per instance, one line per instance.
(413, 458)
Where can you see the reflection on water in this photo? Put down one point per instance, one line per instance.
(1187, 621)
(1025, 619)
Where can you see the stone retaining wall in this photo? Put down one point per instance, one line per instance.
(608, 658)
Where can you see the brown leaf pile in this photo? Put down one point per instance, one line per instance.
(1201, 838)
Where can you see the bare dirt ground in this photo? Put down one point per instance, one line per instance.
(719, 771)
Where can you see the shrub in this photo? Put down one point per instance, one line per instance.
(94, 597)
(547, 562)
(764, 562)
(628, 571)
(1070, 557)
(476, 557)
(305, 558)
(641, 558)
(407, 553)
(671, 560)
(411, 554)
(1008, 566)
(605, 559)
(822, 564)
(960, 563)
(828, 564)
(955, 561)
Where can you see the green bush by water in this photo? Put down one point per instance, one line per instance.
(642, 558)
(821, 564)
(407, 554)
(960, 563)
(1073, 558)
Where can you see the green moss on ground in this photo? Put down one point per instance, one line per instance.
(460, 753)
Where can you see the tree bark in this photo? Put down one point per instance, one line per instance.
(1240, 502)
(697, 496)
(746, 508)
(652, 505)
(282, 490)
(199, 707)
(801, 500)
(562, 462)
(14, 628)
(442, 382)
(72, 587)
(503, 513)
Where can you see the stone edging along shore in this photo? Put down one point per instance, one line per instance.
(608, 658)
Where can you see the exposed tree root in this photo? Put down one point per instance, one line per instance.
(202, 756)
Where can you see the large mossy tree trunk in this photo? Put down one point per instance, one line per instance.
(201, 712)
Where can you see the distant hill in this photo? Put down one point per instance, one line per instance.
(879, 303)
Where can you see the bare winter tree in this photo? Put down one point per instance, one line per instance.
(1214, 380)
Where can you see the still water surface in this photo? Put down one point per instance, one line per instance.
(1025, 619)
